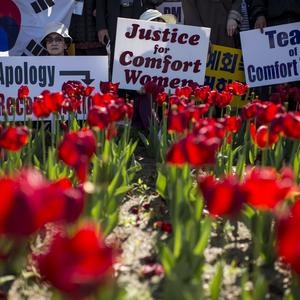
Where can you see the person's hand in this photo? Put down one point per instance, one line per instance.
(261, 23)
(232, 26)
(103, 36)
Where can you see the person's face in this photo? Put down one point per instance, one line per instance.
(159, 19)
(55, 44)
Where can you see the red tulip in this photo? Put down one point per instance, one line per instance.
(29, 201)
(183, 92)
(194, 150)
(73, 88)
(70, 200)
(98, 117)
(233, 124)
(210, 128)
(152, 88)
(77, 265)
(103, 100)
(161, 98)
(55, 102)
(202, 93)
(199, 111)
(263, 137)
(13, 138)
(250, 110)
(288, 238)
(291, 125)
(23, 92)
(40, 109)
(88, 91)
(277, 124)
(47, 103)
(108, 87)
(237, 88)
(71, 103)
(76, 150)
(222, 198)
(267, 112)
(115, 111)
(177, 121)
(266, 188)
(223, 99)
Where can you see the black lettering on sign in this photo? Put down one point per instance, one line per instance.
(24, 74)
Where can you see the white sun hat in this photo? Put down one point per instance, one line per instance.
(151, 14)
(59, 28)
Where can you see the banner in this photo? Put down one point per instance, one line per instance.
(22, 24)
(170, 55)
(174, 8)
(45, 73)
(272, 56)
(225, 65)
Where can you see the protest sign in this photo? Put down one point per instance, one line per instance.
(225, 65)
(45, 73)
(174, 8)
(22, 24)
(169, 54)
(272, 56)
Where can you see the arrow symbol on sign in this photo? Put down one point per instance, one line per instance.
(87, 75)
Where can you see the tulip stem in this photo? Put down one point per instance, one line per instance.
(30, 143)
(25, 109)
(264, 159)
(43, 143)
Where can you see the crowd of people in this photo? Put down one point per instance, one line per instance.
(94, 31)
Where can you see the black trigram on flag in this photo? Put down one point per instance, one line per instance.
(41, 5)
(36, 49)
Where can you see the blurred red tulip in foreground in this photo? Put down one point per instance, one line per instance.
(77, 265)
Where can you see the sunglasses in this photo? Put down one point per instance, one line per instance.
(56, 39)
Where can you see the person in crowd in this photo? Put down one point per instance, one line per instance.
(222, 16)
(107, 13)
(56, 39)
(84, 33)
(274, 12)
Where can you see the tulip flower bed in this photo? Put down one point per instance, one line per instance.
(213, 215)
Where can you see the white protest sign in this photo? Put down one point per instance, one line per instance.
(169, 54)
(174, 8)
(45, 73)
(272, 57)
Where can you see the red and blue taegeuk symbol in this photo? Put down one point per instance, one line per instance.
(10, 23)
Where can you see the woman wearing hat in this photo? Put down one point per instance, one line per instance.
(56, 39)
(157, 16)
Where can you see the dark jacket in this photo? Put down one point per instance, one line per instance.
(213, 14)
(276, 11)
(83, 28)
(108, 12)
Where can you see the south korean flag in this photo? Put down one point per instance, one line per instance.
(22, 24)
